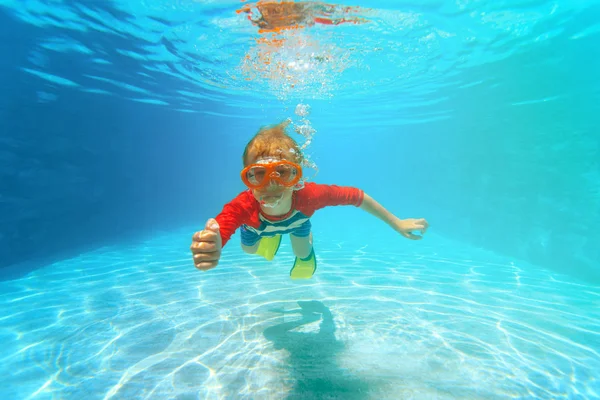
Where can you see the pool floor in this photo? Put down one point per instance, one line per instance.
(430, 320)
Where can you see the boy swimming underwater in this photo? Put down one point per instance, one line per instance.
(275, 204)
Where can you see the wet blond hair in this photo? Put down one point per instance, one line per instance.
(273, 141)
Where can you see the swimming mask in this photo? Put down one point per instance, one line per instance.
(260, 174)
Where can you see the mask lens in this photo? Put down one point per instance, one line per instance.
(256, 175)
(286, 173)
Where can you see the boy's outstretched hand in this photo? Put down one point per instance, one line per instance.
(406, 227)
(206, 246)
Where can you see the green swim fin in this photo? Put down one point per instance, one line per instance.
(304, 268)
(268, 246)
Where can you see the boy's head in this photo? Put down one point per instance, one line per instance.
(274, 153)
(272, 142)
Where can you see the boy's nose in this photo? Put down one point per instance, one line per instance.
(274, 183)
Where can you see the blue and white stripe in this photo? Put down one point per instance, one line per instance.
(297, 224)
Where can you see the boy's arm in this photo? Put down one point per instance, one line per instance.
(234, 214)
(207, 244)
(403, 226)
(316, 196)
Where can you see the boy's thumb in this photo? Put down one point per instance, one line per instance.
(212, 225)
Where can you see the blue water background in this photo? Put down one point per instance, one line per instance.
(499, 150)
(121, 131)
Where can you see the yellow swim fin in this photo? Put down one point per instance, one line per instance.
(268, 246)
(304, 268)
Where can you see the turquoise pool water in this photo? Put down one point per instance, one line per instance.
(122, 125)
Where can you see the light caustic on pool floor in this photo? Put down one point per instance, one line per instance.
(435, 321)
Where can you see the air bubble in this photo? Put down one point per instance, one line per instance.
(302, 110)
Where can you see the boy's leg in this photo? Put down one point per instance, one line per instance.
(266, 247)
(302, 240)
(305, 264)
(302, 245)
(250, 249)
(250, 240)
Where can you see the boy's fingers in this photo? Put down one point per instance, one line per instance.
(204, 247)
(201, 257)
(196, 237)
(212, 225)
(205, 236)
(412, 236)
(209, 236)
(423, 222)
(206, 265)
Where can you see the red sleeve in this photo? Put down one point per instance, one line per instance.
(239, 211)
(315, 196)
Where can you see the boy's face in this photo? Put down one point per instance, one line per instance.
(274, 193)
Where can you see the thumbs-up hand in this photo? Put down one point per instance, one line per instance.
(206, 246)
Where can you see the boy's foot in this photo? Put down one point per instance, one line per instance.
(268, 247)
(304, 268)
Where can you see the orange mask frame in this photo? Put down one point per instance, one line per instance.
(271, 174)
